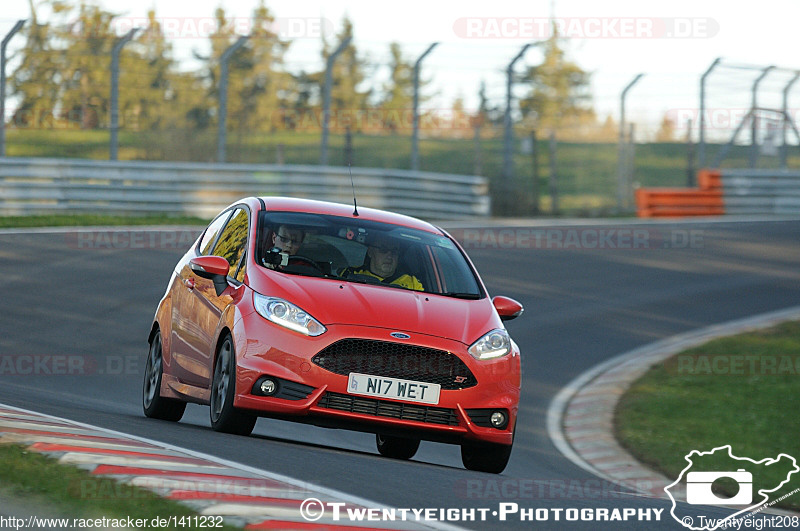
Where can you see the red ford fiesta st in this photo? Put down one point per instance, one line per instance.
(357, 319)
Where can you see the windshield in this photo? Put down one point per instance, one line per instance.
(364, 251)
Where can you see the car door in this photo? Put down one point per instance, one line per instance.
(184, 306)
(206, 307)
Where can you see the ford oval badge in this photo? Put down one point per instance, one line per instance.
(400, 335)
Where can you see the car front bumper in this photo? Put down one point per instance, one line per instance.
(270, 350)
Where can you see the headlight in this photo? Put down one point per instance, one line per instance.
(493, 345)
(286, 314)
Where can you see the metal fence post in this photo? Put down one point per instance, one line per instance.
(690, 168)
(222, 108)
(553, 175)
(3, 46)
(326, 99)
(630, 158)
(621, 188)
(701, 148)
(415, 130)
(786, 118)
(535, 170)
(508, 130)
(754, 117)
(114, 125)
(478, 160)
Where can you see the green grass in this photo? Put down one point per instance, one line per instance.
(97, 220)
(73, 491)
(741, 390)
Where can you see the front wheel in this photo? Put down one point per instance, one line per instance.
(155, 406)
(224, 417)
(396, 447)
(487, 457)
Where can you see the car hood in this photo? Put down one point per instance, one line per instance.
(348, 303)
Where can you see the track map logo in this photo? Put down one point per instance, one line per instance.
(749, 485)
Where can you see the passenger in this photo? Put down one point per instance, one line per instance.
(381, 262)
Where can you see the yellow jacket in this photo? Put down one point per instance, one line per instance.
(406, 281)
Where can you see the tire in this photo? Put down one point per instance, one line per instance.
(487, 457)
(155, 406)
(224, 417)
(396, 447)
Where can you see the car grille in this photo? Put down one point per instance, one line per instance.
(386, 408)
(396, 360)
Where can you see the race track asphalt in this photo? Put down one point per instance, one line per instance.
(79, 301)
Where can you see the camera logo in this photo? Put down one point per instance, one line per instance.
(757, 484)
(698, 488)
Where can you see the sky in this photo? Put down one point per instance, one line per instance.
(672, 43)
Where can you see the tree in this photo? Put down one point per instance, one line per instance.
(559, 96)
(487, 113)
(666, 131)
(65, 69)
(459, 119)
(303, 97)
(266, 91)
(153, 102)
(86, 72)
(348, 73)
(397, 102)
(36, 80)
(257, 84)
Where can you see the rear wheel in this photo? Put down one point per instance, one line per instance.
(225, 417)
(155, 406)
(396, 447)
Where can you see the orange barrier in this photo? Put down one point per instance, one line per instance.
(705, 200)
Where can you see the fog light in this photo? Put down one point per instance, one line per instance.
(268, 387)
(498, 419)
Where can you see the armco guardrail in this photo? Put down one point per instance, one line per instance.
(726, 191)
(761, 191)
(43, 185)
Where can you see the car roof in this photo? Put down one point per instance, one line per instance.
(292, 204)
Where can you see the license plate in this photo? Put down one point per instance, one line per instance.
(393, 388)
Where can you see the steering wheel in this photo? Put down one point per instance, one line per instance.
(305, 260)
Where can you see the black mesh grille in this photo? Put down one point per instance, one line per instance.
(396, 360)
(480, 417)
(385, 408)
(287, 390)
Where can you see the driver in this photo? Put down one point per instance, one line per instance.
(287, 239)
(381, 262)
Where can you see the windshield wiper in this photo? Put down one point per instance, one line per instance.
(461, 295)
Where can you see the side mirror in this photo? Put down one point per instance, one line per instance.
(214, 268)
(507, 307)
